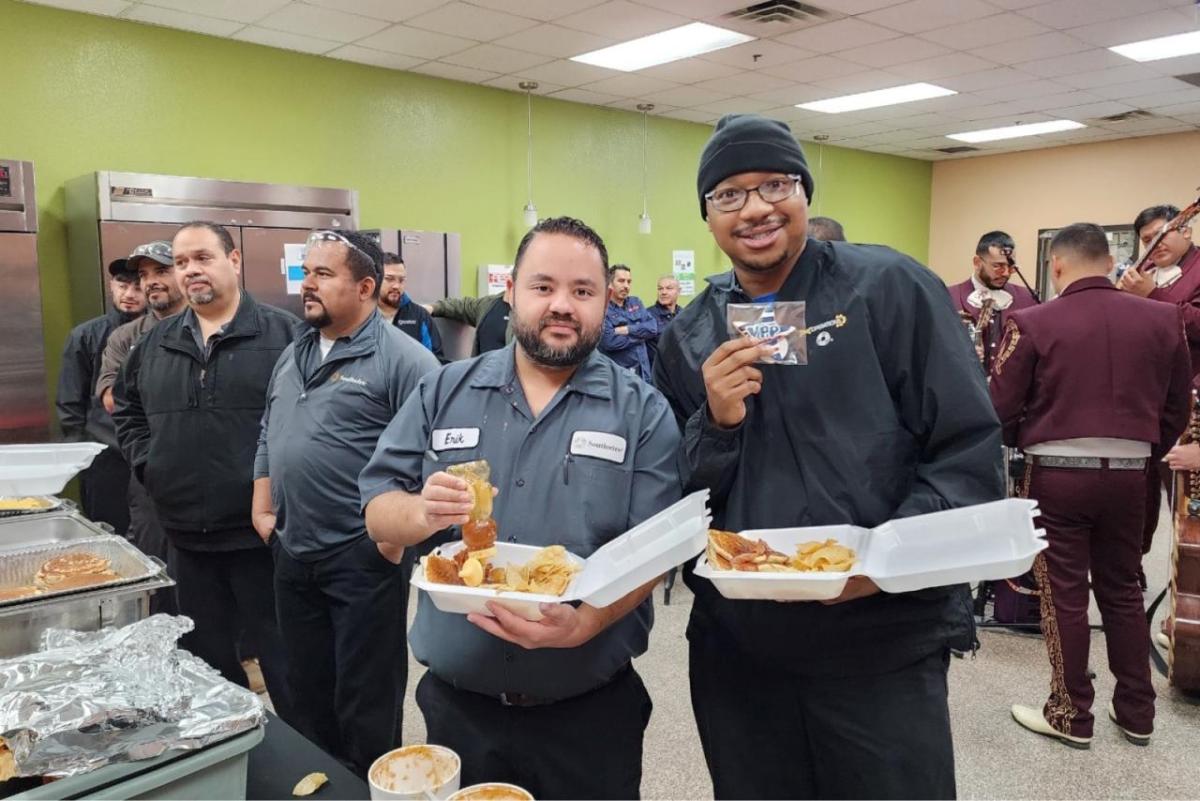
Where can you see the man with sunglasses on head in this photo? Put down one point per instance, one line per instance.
(187, 406)
(990, 288)
(878, 411)
(341, 600)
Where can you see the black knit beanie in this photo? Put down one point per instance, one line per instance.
(750, 143)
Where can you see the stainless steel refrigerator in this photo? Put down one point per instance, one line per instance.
(110, 213)
(24, 412)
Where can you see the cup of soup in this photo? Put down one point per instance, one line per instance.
(415, 772)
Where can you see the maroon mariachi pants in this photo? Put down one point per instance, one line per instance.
(1093, 521)
(1158, 478)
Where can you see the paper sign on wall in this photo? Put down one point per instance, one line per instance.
(683, 267)
(292, 267)
(493, 278)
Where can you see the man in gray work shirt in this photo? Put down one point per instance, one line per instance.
(580, 451)
(340, 599)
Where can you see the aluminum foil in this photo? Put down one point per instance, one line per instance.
(90, 699)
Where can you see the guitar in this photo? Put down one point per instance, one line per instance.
(1183, 619)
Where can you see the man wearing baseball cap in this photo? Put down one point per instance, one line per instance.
(882, 413)
(102, 486)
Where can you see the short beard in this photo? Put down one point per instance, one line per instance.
(529, 338)
(320, 321)
(203, 297)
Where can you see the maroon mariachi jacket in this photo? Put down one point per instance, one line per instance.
(1022, 299)
(1185, 293)
(1094, 362)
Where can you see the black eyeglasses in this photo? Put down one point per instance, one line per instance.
(773, 190)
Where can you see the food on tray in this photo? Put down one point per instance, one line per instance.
(479, 533)
(730, 551)
(74, 570)
(547, 573)
(15, 593)
(492, 792)
(8, 765)
(26, 504)
(309, 784)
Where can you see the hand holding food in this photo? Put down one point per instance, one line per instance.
(730, 551)
(446, 501)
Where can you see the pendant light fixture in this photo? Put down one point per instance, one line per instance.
(644, 217)
(530, 212)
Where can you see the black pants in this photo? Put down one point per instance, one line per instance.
(147, 535)
(772, 734)
(103, 490)
(343, 621)
(222, 592)
(589, 746)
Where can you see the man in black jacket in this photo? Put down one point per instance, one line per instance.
(188, 403)
(102, 486)
(883, 413)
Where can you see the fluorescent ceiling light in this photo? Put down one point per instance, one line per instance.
(660, 48)
(1014, 131)
(1181, 44)
(880, 97)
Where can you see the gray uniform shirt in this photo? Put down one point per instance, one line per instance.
(321, 424)
(599, 459)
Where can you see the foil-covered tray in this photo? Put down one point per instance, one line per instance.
(49, 503)
(18, 567)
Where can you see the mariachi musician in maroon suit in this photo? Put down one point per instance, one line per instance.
(988, 293)
(1169, 271)
(1092, 386)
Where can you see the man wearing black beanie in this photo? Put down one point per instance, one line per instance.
(878, 410)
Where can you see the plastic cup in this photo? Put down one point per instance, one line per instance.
(415, 772)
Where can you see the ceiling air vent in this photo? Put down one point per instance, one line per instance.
(787, 12)
(1127, 116)
(957, 149)
(1193, 78)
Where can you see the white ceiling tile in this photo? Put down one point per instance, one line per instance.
(389, 10)
(1112, 76)
(931, 69)
(621, 20)
(1142, 126)
(842, 34)
(585, 96)
(513, 84)
(813, 69)
(866, 128)
(322, 23)
(987, 111)
(1184, 95)
(737, 105)
(988, 34)
(758, 54)
(179, 19)
(793, 94)
(696, 9)
(1191, 119)
(1136, 28)
(1018, 91)
(686, 96)
(691, 115)
(413, 42)
(376, 58)
(109, 8)
(568, 73)
(1090, 111)
(236, 10)
(1032, 48)
(544, 10)
(1178, 110)
(460, 19)
(496, 59)
(745, 83)
(553, 40)
(925, 15)
(1063, 14)
(284, 40)
(1086, 61)
(690, 70)
(986, 79)
(852, 7)
(1183, 65)
(893, 51)
(630, 85)
(860, 82)
(1135, 90)
(1053, 103)
(455, 72)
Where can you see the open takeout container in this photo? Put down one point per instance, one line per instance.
(649, 549)
(986, 542)
(43, 469)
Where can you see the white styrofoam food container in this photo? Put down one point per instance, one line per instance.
(649, 549)
(987, 542)
(43, 469)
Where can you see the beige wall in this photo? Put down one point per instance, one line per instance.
(1106, 183)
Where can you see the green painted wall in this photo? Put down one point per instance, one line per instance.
(86, 93)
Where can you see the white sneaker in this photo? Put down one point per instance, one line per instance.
(1032, 719)
(1136, 739)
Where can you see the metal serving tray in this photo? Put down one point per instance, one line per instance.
(47, 528)
(19, 566)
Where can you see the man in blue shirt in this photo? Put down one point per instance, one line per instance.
(400, 310)
(628, 325)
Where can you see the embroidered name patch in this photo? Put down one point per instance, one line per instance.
(598, 445)
(450, 439)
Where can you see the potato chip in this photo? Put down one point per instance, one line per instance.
(471, 573)
(309, 784)
(822, 557)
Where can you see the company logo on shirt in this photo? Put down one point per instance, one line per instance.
(348, 379)
(599, 445)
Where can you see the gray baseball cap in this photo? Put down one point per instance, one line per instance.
(159, 251)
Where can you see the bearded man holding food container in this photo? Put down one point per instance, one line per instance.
(580, 450)
(821, 383)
